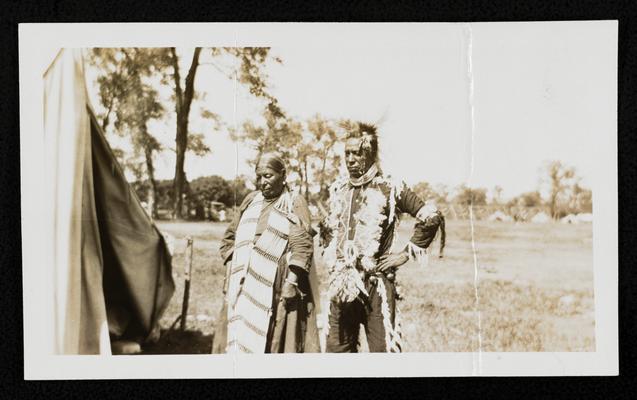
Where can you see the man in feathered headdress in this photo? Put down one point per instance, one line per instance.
(364, 209)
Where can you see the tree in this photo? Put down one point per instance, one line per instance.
(202, 191)
(309, 148)
(557, 178)
(133, 103)
(581, 199)
(212, 188)
(325, 138)
(249, 72)
(277, 133)
(497, 195)
(437, 194)
(471, 196)
(441, 193)
(183, 102)
(529, 199)
(304, 155)
(137, 119)
(239, 191)
(216, 188)
(165, 194)
(424, 191)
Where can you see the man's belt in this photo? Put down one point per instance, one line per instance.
(372, 276)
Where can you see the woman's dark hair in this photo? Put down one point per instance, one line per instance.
(274, 161)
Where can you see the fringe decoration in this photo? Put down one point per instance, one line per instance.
(397, 333)
(345, 282)
(392, 204)
(384, 309)
(396, 189)
(325, 329)
(417, 254)
(369, 219)
(334, 221)
(340, 255)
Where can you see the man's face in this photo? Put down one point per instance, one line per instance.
(356, 159)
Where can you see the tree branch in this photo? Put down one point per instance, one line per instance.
(190, 81)
(107, 116)
(226, 73)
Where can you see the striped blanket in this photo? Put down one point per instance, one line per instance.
(252, 274)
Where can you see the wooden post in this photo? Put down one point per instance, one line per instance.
(187, 273)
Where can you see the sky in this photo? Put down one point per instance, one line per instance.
(479, 104)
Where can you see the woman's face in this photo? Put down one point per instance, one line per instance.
(269, 181)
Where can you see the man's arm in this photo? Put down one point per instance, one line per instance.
(427, 223)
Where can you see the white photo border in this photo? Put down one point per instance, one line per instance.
(38, 43)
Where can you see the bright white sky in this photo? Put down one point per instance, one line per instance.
(538, 89)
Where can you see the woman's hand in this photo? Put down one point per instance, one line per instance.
(288, 291)
(226, 279)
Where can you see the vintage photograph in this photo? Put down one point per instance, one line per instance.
(334, 188)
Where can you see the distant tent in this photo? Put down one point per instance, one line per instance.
(112, 273)
(569, 219)
(585, 217)
(541, 218)
(499, 216)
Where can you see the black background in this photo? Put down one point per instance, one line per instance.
(11, 339)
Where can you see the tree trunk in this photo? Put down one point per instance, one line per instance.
(183, 100)
(305, 184)
(106, 119)
(322, 189)
(178, 182)
(553, 205)
(302, 175)
(150, 169)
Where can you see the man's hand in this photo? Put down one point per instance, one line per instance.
(389, 261)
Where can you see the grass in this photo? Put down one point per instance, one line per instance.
(534, 289)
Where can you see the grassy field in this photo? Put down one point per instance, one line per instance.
(534, 289)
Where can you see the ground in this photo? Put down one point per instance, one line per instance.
(534, 289)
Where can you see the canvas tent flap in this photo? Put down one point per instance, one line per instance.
(138, 281)
(93, 335)
(66, 138)
(110, 267)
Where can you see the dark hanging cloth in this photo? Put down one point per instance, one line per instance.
(136, 269)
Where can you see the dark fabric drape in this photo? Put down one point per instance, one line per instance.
(137, 270)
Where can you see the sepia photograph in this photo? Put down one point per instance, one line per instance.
(445, 193)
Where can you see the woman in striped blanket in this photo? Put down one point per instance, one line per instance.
(267, 249)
